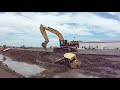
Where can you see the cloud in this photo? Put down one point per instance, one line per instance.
(24, 26)
(112, 13)
(111, 35)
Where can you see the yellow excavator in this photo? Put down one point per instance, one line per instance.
(65, 46)
(68, 59)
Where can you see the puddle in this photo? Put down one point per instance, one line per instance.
(22, 68)
(72, 74)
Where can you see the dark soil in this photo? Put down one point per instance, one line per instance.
(105, 66)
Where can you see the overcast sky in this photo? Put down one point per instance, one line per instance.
(22, 28)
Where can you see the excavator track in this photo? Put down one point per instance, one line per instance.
(64, 50)
(59, 50)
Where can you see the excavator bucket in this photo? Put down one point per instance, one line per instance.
(44, 45)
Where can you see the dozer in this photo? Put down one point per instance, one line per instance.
(69, 59)
(65, 46)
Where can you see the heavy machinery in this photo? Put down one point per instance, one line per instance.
(5, 48)
(69, 60)
(65, 46)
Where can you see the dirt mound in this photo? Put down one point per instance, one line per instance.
(99, 65)
(32, 56)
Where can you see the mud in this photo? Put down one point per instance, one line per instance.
(22, 68)
(92, 65)
(5, 72)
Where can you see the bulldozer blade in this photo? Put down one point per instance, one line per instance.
(59, 60)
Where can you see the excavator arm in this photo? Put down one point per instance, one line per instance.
(43, 28)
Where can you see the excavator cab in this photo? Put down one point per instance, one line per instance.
(63, 43)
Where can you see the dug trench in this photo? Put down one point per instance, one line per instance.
(103, 66)
(5, 72)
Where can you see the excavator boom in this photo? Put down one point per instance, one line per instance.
(65, 46)
(69, 58)
(43, 28)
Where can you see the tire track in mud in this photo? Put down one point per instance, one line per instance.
(99, 65)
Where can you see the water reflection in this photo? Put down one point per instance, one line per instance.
(4, 58)
(20, 67)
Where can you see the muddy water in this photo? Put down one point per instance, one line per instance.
(72, 74)
(22, 68)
